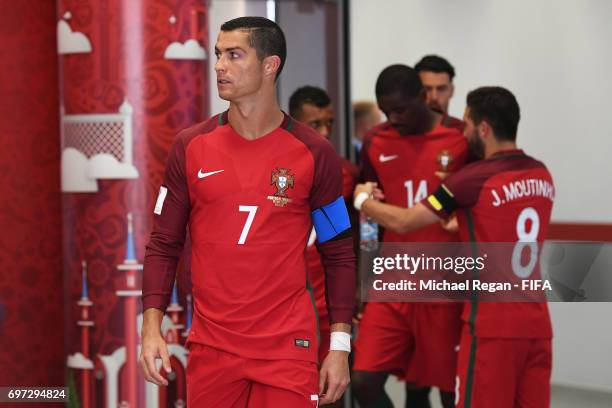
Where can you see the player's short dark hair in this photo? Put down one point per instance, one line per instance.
(401, 78)
(307, 94)
(264, 35)
(498, 107)
(435, 63)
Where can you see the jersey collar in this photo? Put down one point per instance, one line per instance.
(507, 153)
(286, 124)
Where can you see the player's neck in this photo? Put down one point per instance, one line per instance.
(255, 116)
(497, 147)
(436, 119)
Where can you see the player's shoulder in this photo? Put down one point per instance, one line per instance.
(444, 132)
(316, 144)
(186, 135)
(535, 162)
(476, 172)
(538, 168)
(514, 160)
(510, 161)
(452, 122)
(383, 129)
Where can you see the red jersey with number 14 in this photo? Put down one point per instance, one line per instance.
(409, 168)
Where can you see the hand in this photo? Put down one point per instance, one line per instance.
(450, 224)
(370, 188)
(364, 188)
(153, 347)
(333, 377)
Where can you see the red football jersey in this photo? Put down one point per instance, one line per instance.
(453, 122)
(250, 207)
(507, 198)
(409, 168)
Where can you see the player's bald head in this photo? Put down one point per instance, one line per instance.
(399, 78)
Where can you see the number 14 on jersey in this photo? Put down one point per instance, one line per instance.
(418, 195)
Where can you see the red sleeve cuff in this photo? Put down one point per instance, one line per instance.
(155, 301)
(341, 315)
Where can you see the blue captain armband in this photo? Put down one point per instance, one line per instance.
(331, 220)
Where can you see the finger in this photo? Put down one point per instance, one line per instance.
(322, 380)
(378, 194)
(324, 399)
(147, 371)
(144, 369)
(332, 390)
(155, 375)
(151, 370)
(165, 359)
(340, 390)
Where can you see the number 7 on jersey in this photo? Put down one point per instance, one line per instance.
(251, 209)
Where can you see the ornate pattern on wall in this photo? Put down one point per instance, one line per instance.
(126, 63)
(31, 290)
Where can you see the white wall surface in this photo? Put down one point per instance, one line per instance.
(554, 55)
(581, 347)
(304, 27)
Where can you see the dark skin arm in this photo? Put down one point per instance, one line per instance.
(392, 217)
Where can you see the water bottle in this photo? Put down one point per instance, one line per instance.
(368, 233)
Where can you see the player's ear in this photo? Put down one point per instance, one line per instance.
(271, 65)
(483, 129)
(452, 90)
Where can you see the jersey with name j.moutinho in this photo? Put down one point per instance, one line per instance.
(250, 206)
(505, 198)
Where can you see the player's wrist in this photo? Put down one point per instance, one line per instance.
(360, 199)
(340, 341)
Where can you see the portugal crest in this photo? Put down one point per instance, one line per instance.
(444, 160)
(282, 179)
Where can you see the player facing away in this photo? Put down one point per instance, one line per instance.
(250, 183)
(408, 157)
(437, 75)
(505, 352)
(312, 106)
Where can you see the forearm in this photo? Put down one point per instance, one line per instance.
(392, 217)
(389, 216)
(161, 259)
(340, 327)
(152, 320)
(338, 258)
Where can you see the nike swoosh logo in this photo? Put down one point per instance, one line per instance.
(384, 158)
(210, 173)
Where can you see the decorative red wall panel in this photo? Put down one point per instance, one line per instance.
(31, 290)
